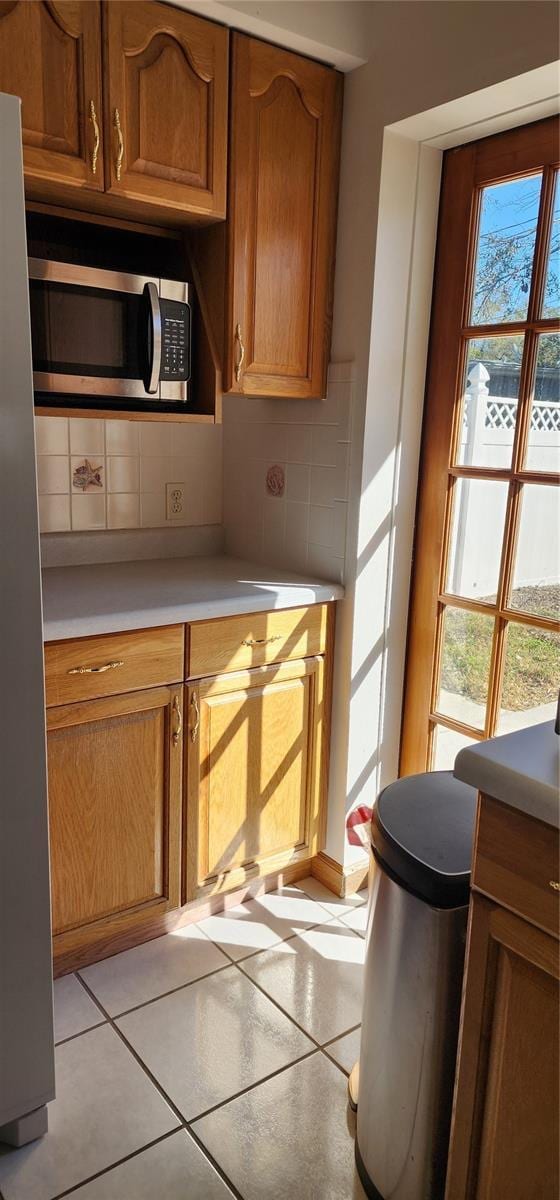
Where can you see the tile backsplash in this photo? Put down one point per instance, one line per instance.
(301, 448)
(125, 466)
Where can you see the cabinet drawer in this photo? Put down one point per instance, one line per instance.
(255, 639)
(516, 862)
(86, 668)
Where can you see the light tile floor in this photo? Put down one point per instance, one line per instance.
(209, 1063)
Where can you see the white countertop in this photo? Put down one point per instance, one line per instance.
(521, 769)
(111, 597)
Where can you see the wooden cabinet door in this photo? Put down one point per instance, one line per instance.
(284, 155)
(255, 768)
(504, 1140)
(114, 773)
(166, 80)
(50, 56)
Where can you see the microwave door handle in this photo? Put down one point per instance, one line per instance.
(154, 366)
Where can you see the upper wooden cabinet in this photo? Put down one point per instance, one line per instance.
(166, 74)
(283, 180)
(145, 121)
(50, 55)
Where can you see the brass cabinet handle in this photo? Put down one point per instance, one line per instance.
(554, 885)
(110, 666)
(276, 637)
(239, 362)
(178, 720)
(120, 152)
(96, 137)
(196, 722)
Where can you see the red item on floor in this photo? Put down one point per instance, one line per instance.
(357, 826)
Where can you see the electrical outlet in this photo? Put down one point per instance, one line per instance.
(174, 501)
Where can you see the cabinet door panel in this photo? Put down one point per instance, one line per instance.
(505, 1127)
(50, 56)
(166, 73)
(114, 808)
(283, 186)
(254, 772)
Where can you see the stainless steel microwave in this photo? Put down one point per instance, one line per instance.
(104, 339)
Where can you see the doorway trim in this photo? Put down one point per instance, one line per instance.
(402, 294)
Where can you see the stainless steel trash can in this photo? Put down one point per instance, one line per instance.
(422, 835)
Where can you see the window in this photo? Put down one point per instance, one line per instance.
(483, 642)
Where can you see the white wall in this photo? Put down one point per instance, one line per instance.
(309, 441)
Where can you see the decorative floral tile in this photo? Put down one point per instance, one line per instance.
(275, 480)
(87, 475)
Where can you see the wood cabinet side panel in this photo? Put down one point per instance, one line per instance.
(490, 1092)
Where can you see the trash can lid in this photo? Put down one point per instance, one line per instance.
(422, 830)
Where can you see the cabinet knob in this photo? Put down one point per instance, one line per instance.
(239, 362)
(553, 883)
(120, 141)
(96, 137)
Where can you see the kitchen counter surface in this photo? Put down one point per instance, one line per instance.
(520, 769)
(112, 597)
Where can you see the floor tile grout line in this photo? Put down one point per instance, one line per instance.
(188, 1124)
(279, 1007)
(218, 945)
(252, 1086)
(239, 966)
(183, 1123)
(127, 1158)
(338, 1037)
(72, 1036)
(341, 898)
(162, 995)
(335, 1063)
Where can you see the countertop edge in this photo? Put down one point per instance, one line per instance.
(203, 606)
(483, 767)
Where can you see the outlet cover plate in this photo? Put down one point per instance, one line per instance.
(174, 501)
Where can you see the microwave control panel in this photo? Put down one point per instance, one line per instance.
(175, 340)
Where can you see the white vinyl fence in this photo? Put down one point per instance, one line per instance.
(480, 505)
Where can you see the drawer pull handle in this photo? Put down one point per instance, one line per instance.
(110, 666)
(95, 151)
(196, 713)
(554, 885)
(178, 720)
(276, 637)
(120, 151)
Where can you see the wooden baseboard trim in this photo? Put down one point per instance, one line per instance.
(104, 947)
(341, 880)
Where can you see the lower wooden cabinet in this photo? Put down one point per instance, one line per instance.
(145, 817)
(504, 1138)
(115, 771)
(254, 767)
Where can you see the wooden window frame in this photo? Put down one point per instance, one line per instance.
(466, 171)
